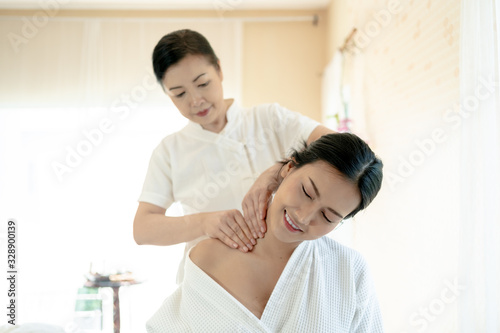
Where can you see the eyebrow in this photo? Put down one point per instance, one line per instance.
(317, 194)
(178, 87)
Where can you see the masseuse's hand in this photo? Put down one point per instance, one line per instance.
(230, 227)
(255, 201)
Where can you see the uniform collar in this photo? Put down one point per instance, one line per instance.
(231, 113)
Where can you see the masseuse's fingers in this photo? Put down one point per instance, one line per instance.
(262, 210)
(255, 201)
(250, 217)
(249, 213)
(227, 235)
(243, 229)
(234, 227)
(223, 237)
(252, 214)
(218, 225)
(258, 211)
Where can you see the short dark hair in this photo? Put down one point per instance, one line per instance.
(176, 45)
(352, 157)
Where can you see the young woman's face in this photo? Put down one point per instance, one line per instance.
(310, 202)
(195, 87)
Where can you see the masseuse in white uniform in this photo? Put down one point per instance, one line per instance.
(223, 160)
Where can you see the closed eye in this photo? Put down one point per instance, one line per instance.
(180, 95)
(303, 189)
(326, 218)
(324, 215)
(204, 84)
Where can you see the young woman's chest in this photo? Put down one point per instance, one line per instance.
(251, 282)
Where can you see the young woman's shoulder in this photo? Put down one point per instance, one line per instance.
(340, 253)
(207, 253)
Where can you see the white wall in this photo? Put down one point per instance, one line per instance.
(409, 50)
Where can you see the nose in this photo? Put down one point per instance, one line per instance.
(196, 99)
(305, 215)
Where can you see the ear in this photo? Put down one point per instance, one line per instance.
(286, 169)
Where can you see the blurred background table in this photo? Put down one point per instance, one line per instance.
(105, 282)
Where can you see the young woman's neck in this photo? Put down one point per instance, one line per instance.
(272, 248)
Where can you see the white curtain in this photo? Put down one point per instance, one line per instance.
(479, 262)
(80, 113)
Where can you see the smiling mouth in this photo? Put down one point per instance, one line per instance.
(203, 113)
(290, 224)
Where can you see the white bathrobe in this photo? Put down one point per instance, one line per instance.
(325, 287)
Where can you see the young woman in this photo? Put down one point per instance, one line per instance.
(295, 280)
(216, 158)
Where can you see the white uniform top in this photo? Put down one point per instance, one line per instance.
(205, 171)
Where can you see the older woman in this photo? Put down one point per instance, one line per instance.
(221, 164)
